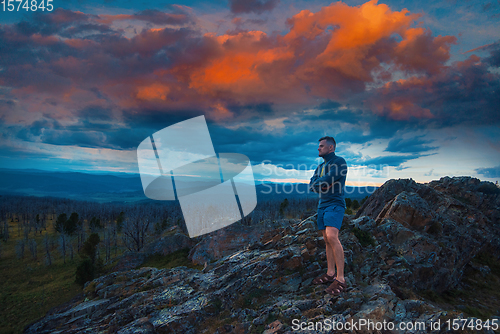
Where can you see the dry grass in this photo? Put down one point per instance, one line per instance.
(28, 287)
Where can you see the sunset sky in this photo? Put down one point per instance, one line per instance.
(409, 89)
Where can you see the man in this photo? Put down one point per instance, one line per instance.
(329, 182)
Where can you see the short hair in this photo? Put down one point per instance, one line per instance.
(330, 141)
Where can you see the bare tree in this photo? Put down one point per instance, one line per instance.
(48, 257)
(33, 248)
(71, 248)
(5, 230)
(63, 245)
(135, 232)
(109, 234)
(20, 248)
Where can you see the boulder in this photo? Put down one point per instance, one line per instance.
(409, 209)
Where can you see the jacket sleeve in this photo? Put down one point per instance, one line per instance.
(313, 184)
(334, 172)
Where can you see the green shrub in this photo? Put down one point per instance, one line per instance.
(365, 238)
(85, 272)
(348, 202)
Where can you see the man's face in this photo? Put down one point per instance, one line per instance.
(324, 148)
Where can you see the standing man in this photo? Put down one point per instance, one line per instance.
(329, 182)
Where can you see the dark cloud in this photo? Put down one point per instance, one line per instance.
(463, 93)
(95, 113)
(375, 128)
(256, 21)
(409, 145)
(91, 136)
(178, 16)
(254, 109)
(391, 160)
(292, 148)
(89, 30)
(90, 139)
(146, 44)
(85, 133)
(152, 119)
(126, 138)
(343, 115)
(158, 17)
(38, 126)
(58, 22)
(494, 58)
(252, 6)
(329, 104)
(491, 6)
(492, 172)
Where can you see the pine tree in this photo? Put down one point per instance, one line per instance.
(89, 267)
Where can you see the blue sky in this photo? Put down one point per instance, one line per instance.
(408, 89)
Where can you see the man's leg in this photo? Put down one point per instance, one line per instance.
(330, 255)
(332, 241)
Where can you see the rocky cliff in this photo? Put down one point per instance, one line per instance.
(415, 253)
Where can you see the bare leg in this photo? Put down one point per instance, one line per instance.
(330, 256)
(332, 235)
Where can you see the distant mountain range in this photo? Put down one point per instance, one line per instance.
(123, 187)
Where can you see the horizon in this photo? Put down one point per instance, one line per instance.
(415, 95)
(257, 182)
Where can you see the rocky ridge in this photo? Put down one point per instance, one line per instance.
(406, 239)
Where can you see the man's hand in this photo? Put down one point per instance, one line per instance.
(325, 187)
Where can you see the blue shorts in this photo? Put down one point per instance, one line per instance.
(330, 216)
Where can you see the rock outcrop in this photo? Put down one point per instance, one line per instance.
(405, 239)
(431, 230)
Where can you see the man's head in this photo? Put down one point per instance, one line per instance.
(326, 146)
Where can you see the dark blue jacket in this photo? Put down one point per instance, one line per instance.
(334, 176)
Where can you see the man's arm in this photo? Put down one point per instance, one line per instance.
(313, 185)
(334, 172)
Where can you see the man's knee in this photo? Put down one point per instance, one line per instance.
(332, 234)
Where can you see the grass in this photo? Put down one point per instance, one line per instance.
(28, 287)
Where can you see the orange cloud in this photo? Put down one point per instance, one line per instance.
(108, 19)
(351, 27)
(78, 43)
(420, 51)
(401, 109)
(44, 40)
(239, 67)
(153, 92)
(329, 54)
